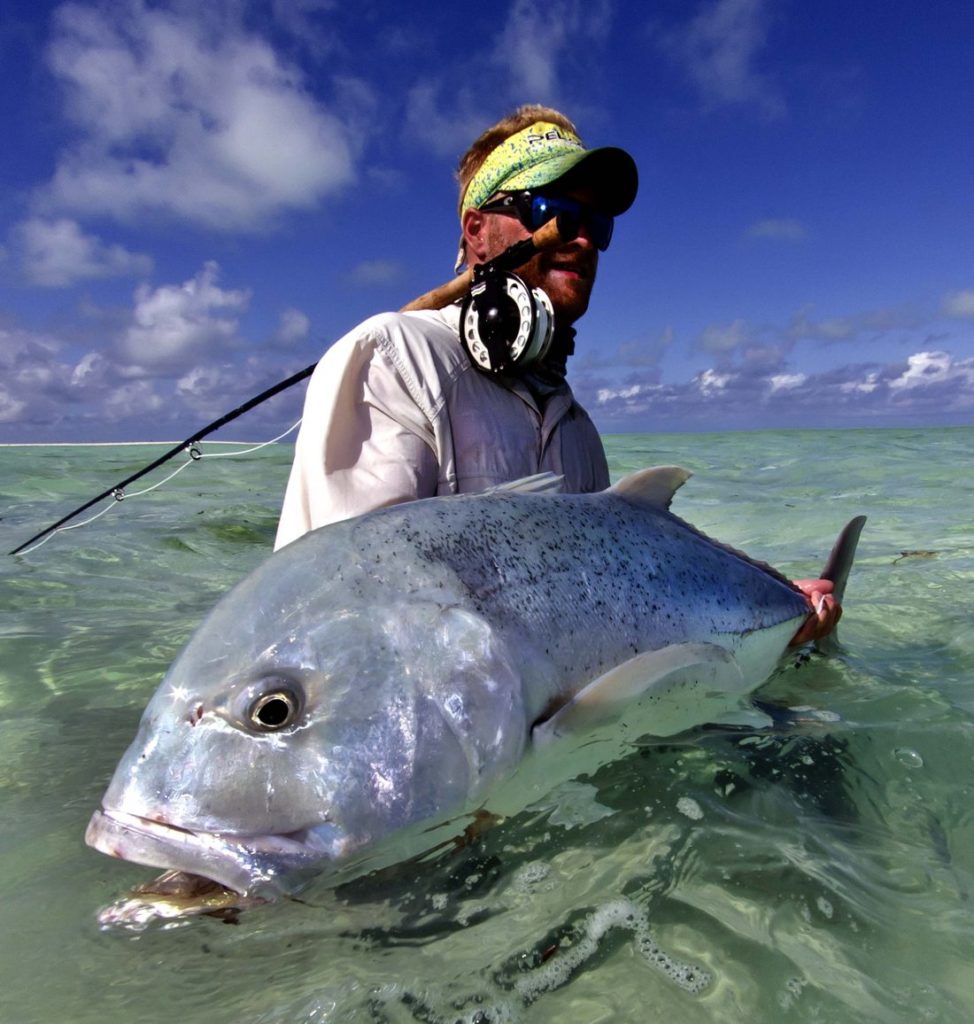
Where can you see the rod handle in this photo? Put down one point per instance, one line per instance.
(555, 232)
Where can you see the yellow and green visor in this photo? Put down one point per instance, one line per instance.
(543, 154)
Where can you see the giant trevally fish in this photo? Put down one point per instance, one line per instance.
(396, 668)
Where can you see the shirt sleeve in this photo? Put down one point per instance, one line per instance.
(364, 441)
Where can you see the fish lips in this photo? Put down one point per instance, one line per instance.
(265, 865)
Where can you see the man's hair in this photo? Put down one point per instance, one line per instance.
(523, 117)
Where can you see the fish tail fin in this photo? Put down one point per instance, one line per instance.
(837, 571)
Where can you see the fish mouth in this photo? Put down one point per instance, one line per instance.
(264, 865)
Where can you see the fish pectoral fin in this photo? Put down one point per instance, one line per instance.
(663, 692)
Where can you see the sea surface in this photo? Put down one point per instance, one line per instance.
(822, 872)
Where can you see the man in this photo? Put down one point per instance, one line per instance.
(397, 410)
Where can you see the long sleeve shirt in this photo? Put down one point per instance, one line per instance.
(396, 411)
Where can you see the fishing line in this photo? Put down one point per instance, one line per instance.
(188, 445)
(558, 231)
(118, 494)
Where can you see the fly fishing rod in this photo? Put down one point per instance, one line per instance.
(556, 232)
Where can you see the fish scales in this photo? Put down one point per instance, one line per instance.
(628, 579)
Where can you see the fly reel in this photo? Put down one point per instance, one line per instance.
(505, 325)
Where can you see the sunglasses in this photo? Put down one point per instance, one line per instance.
(533, 209)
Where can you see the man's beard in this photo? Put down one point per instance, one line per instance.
(554, 272)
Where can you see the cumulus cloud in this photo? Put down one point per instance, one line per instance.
(718, 50)
(926, 370)
(724, 338)
(534, 70)
(929, 386)
(56, 253)
(176, 114)
(173, 322)
(786, 381)
(865, 384)
(132, 399)
(875, 322)
(302, 19)
(542, 54)
(445, 126)
(710, 382)
(52, 390)
(211, 388)
(204, 388)
(959, 304)
(370, 273)
(293, 326)
(34, 376)
(11, 407)
(642, 353)
(785, 228)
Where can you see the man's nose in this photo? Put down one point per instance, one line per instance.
(584, 235)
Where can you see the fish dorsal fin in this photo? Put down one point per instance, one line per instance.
(540, 483)
(654, 486)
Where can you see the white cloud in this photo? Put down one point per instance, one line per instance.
(174, 322)
(91, 368)
(930, 387)
(605, 395)
(179, 117)
(959, 304)
(11, 408)
(205, 388)
(72, 388)
(933, 368)
(786, 381)
(133, 399)
(718, 50)
(32, 376)
(726, 338)
(543, 53)
(370, 273)
(447, 128)
(535, 70)
(301, 19)
(711, 382)
(292, 327)
(865, 385)
(875, 322)
(785, 228)
(56, 253)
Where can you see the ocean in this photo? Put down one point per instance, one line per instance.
(822, 872)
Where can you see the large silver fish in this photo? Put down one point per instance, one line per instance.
(395, 669)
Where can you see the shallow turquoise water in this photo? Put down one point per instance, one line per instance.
(823, 874)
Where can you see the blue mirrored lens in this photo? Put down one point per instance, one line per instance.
(599, 225)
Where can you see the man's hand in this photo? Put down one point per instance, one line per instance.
(825, 614)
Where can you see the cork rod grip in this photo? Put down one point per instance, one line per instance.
(549, 236)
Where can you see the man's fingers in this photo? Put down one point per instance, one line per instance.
(823, 619)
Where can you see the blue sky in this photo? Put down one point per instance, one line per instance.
(197, 199)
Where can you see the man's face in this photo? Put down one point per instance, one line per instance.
(566, 274)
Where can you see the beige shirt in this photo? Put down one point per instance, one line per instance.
(395, 411)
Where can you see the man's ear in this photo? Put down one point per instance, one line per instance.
(474, 225)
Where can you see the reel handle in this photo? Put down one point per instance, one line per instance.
(556, 232)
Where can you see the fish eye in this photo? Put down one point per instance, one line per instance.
(274, 710)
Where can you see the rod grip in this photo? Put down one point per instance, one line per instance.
(555, 232)
(442, 296)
